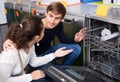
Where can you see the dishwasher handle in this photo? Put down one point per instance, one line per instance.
(66, 20)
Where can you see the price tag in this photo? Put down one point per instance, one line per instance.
(5, 11)
(19, 1)
(102, 10)
(64, 2)
(7, 1)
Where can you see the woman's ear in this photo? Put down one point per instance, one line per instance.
(36, 38)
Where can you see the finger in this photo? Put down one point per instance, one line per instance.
(83, 29)
(42, 74)
(63, 48)
(78, 36)
(69, 51)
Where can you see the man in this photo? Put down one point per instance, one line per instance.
(54, 14)
(52, 22)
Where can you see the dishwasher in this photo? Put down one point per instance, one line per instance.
(102, 43)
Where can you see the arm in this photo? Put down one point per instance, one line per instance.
(37, 61)
(62, 36)
(6, 69)
(77, 38)
(10, 68)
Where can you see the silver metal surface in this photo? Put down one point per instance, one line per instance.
(81, 10)
(113, 16)
(22, 7)
(99, 52)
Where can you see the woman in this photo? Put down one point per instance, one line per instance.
(24, 36)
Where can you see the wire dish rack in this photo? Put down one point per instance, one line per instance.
(103, 56)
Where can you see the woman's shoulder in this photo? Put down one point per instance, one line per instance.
(9, 51)
(8, 54)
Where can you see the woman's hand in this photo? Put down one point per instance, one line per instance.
(38, 74)
(62, 52)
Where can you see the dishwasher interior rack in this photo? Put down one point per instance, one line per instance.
(103, 51)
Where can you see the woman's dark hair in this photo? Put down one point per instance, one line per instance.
(24, 32)
(57, 7)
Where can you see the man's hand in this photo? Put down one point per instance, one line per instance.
(80, 35)
(8, 44)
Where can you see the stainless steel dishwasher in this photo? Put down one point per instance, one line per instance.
(102, 43)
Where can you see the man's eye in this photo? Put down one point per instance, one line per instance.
(50, 15)
(58, 18)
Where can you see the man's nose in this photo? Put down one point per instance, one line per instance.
(53, 20)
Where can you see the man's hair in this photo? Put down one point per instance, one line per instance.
(57, 8)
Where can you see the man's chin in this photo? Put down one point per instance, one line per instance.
(51, 27)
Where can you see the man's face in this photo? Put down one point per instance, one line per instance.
(52, 19)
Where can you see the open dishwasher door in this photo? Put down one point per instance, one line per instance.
(75, 74)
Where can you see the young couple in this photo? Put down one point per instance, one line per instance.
(22, 37)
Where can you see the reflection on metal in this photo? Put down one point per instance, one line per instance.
(75, 74)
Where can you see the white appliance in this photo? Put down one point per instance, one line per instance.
(117, 2)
